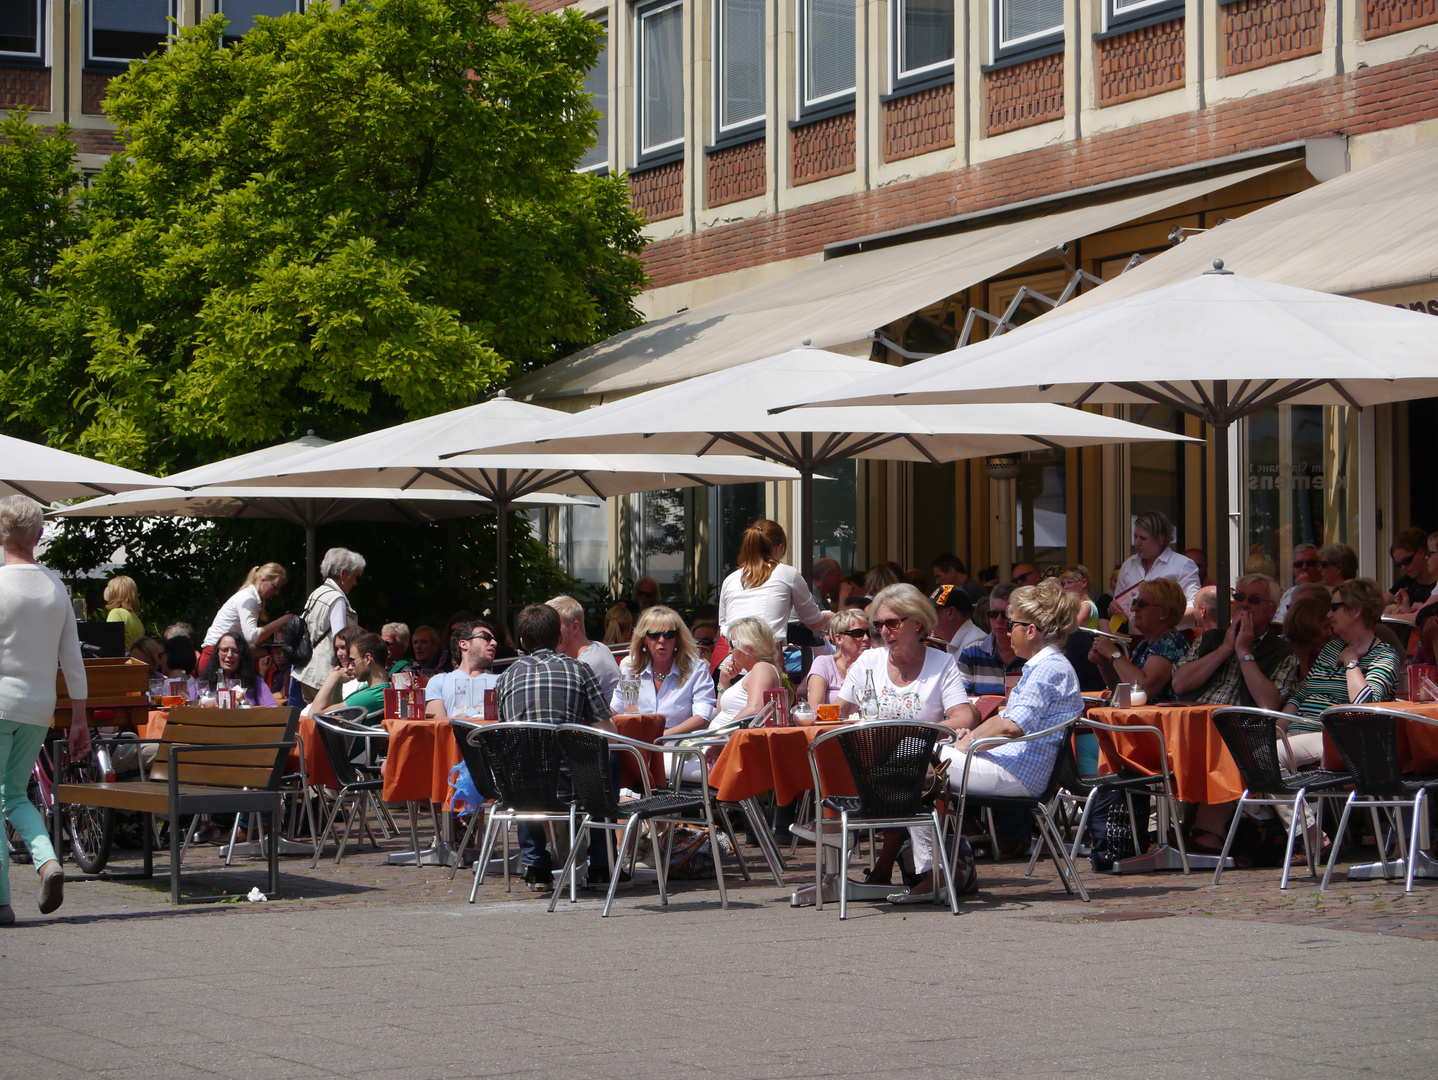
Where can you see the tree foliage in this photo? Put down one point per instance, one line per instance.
(346, 218)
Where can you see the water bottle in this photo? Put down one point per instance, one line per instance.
(869, 703)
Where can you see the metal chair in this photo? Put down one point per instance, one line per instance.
(479, 772)
(1251, 736)
(1074, 787)
(1367, 737)
(1039, 806)
(888, 760)
(359, 789)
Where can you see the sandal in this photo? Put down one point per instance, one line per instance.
(871, 876)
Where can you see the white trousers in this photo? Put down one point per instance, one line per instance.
(1308, 750)
(986, 777)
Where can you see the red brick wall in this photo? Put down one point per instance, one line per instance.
(658, 193)
(93, 85)
(95, 141)
(736, 172)
(25, 86)
(919, 122)
(1257, 33)
(822, 149)
(1024, 94)
(1140, 63)
(1382, 17)
(1370, 99)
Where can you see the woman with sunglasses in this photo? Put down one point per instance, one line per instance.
(849, 633)
(1157, 611)
(1356, 667)
(765, 587)
(672, 679)
(1410, 554)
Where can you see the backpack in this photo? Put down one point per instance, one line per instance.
(294, 641)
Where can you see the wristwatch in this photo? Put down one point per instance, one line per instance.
(1351, 665)
(1246, 658)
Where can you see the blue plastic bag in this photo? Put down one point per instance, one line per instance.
(466, 798)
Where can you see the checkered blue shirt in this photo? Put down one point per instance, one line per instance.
(1047, 694)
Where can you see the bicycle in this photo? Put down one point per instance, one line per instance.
(90, 830)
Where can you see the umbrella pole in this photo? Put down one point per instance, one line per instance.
(806, 506)
(1222, 569)
(311, 573)
(501, 554)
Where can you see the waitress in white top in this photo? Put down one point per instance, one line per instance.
(241, 613)
(765, 587)
(672, 678)
(913, 681)
(751, 668)
(1153, 558)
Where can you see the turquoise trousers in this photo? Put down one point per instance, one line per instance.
(19, 747)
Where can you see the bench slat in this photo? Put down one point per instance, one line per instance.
(230, 776)
(208, 736)
(223, 718)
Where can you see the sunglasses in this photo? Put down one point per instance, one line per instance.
(1408, 561)
(1337, 605)
(1011, 623)
(856, 633)
(1139, 605)
(886, 624)
(481, 636)
(667, 635)
(1249, 598)
(704, 642)
(1300, 564)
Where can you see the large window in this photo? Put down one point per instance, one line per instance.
(740, 33)
(242, 14)
(923, 39)
(1026, 24)
(660, 94)
(22, 29)
(826, 52)
(118, 31)
(596, 85)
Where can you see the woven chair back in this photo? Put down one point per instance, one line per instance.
(524, 764)
(1252, 739)
(587, 755)
(888, 762)
(1369, 744)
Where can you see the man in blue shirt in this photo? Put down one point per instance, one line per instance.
(984, 667)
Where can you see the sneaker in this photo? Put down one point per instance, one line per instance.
(599, 879)
(539, 877)
(7, 915)
(52, 887)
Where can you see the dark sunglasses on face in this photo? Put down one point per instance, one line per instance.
(856, 633)
(482, 636)
(886, 624)
(1139, 605)
(1011, 623)
(667, 635)
(1300, 564)
(1337, 605)
(1249, 598)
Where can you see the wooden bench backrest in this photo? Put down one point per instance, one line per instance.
(111, 676)
(258, 769)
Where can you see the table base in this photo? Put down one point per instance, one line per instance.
(1424, 866)
(1165, 857)
(857, 891)
(441, 854)
(256, 849)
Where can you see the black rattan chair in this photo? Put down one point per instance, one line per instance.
(479, 772)
(587, 753)
(524, 760)
(1251, 736)
(888, 760)
(359, 789)
(1367, 738)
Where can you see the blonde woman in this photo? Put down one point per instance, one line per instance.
(765, 587)
(754, 659)
(849, 632)
(243, 612)
(618, 624)
(672, 679)
(122, 598)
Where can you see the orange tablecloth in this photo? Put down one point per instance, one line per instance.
(1203, 768)
(1417, 743)
(757, 760)
(646, 727)
(421, 754)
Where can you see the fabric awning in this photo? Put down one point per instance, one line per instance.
(838, 303)
(1373, 229)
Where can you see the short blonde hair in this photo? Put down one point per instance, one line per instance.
(910, 603)
(845, 619)
(21, 520)
(1049, 606)
(570, 610)
(755, 636)
(1364, 596)
(659, 617)
(1166, 593)
(121, 592)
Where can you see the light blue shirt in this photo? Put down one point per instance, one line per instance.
(1047, 695)
(441, 688)
(678, 701)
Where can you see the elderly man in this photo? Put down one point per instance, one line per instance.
(464, 687)
(956, 624)
(1307, 570)
(426, 649)
(574, 641)
(396, 641)
(1247, 664)
(1205, 609)
(827, 576)
(949, 570)
(984, 667)
(646, 592)
(1026, 574)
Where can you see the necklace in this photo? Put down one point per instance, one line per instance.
(903, 668)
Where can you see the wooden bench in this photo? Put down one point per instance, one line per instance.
(209, 761)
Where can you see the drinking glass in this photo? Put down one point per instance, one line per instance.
(629, 694)
(460, 692)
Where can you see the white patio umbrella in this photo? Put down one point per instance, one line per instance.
(1217, 346)
(45, 475)
(729, 410)
(410, 457)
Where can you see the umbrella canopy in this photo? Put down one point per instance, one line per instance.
(45, 475)
(409, 457)
(729, 411)
(1217, 346)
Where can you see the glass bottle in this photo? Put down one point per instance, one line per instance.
(869, 705)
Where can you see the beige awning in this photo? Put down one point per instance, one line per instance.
(1373, 229)
(838, 303)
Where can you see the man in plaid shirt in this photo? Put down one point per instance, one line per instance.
(546, 687)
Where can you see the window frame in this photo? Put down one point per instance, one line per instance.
(1141, 14)
(602, 167)
(112, 63)
(674, 149)
(744, 129)
(1043, 43)
(299, 9)
(41, 56)
(830, 104)
(919, 78)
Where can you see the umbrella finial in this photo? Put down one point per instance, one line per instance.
(310, 434)
(502, 394)
(1218, 268)
(807, 342)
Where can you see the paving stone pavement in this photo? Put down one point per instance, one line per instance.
(368, 970)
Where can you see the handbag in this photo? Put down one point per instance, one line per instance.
(936, 778)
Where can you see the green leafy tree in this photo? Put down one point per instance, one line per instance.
(349, 217)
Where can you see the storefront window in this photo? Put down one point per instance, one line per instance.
(934, 511)
(582, 541)
(740, 505)
(661, 535)
(836, 509)
(1156, 473)
(1041, 516)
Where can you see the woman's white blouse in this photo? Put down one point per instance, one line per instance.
(785, 591)
(677, 700)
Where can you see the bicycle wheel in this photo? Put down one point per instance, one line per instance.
(91, 828)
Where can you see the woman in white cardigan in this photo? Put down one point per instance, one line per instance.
(765, 587)
(37, 634)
